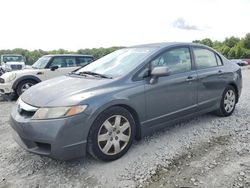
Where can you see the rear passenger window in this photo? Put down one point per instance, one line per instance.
(178, 60)
(84, 60)
(70, 62)
(204, 58)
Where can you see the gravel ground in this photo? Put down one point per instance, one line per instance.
(206, 151)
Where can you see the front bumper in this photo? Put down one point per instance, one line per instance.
(62, 139)
(6, 88)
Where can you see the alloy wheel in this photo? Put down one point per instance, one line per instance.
(114, 135)
(26, 86)
(229, 101)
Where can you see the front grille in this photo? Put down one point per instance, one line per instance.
(16, 67)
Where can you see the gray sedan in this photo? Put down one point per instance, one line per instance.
(101, 108)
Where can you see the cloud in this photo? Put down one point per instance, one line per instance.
(180, 23)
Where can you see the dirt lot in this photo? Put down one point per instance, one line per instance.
(206, 151)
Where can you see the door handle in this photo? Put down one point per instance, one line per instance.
(220, 72)
(190, 78)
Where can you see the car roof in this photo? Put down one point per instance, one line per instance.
(168, 44)
(12, 55)
(68, 55)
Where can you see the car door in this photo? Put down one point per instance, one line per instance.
(175, 95)
(60, 66)
(211, 77)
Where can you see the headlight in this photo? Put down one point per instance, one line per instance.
(8, 77)
(58, 112)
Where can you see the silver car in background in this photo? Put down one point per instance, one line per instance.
(101, 108)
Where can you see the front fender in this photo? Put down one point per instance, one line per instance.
(27, 77)
(94, 113)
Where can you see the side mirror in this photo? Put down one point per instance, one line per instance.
(54, 68)
(159, 72)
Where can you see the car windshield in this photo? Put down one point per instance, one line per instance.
(119, 62)
(13, 58)
(41, 63)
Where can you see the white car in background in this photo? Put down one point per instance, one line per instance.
(10, 62)
(46, 67)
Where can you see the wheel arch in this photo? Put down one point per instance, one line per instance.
(28, 77)
(125, 106)
(136, 119)
(236, 89)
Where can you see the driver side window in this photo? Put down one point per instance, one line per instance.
(178, 60)
(63, 62)
(58, 61)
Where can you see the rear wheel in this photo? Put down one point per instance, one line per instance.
(24, 85)
(228, 102)
(111, 134)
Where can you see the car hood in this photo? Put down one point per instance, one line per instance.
(63, 91)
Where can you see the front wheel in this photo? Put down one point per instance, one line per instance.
(24, 85)
(228, 102)
(111, 134)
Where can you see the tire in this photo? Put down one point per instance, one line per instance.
(112, 128)
(228, 103)
(23, 86)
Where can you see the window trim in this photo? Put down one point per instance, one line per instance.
(217, 55)
(135, 77)
(49, 62)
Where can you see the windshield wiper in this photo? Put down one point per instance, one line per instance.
(95, 74)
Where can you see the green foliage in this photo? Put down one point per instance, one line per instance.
(205, 41)
(231, 42)
(247, 41)
(232, 47)
(98, 52)
(32, 56)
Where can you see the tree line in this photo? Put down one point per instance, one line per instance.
(231, 47)
(32, 56)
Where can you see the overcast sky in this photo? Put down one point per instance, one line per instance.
(76, 24)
